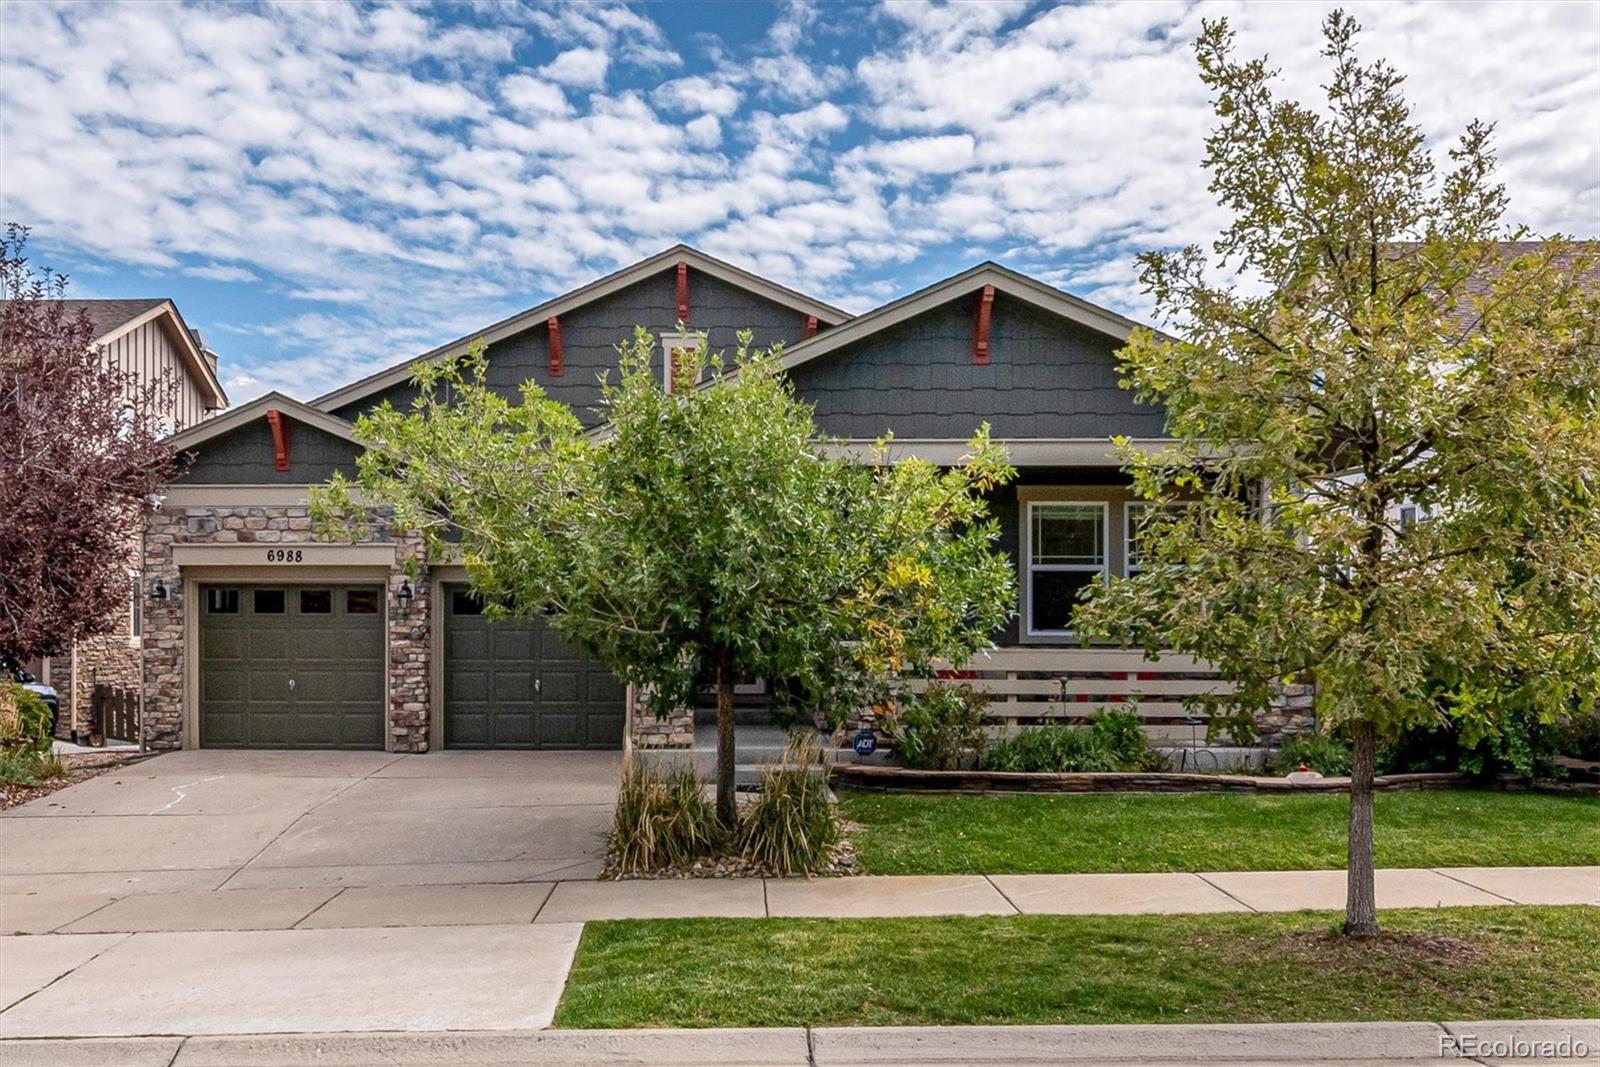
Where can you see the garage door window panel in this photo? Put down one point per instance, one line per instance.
(361, 602)
(267, 601)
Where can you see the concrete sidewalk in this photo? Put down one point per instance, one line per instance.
(1299, 1044)
(869, 896)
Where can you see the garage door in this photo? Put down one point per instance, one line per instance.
(520, 685)
(291, 666)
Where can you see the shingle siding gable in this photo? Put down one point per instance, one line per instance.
(1048, 378)
(245, 457)
(591, 333)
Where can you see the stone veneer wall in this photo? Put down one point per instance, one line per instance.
(409, 635)
(1289, 716)
(648, 730)
(108, 659)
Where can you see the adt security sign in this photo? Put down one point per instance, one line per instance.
(865, 743)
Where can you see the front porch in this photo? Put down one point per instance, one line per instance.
(1034, 686)
(1025, 687)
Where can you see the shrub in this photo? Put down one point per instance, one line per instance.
(24, 719)
(792, 826)
(1121, 734)
(1056, 748)
(939, 729)
(662, 820)
(1325, 755)
(1580, 736)
(24, 766)
(1521, 745)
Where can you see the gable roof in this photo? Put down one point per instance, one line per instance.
(1004, 279)
(586, 294)
(258, 408)
(113, 318)
(107, 315)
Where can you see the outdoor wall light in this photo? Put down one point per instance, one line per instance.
(405, 593)
(158, 590)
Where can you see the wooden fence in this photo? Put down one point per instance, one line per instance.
(115, 712)
(1027, 686)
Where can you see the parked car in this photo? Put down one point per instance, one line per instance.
(16, 674)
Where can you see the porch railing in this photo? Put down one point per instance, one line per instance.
(1028, 686)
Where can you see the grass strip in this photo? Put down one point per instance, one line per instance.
(908, 834)
(1451, 963)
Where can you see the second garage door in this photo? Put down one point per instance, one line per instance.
(520, 685)
(291, 667)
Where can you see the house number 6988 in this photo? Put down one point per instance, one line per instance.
(284, 555)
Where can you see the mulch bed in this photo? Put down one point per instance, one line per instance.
(905, 780)
(80, 768)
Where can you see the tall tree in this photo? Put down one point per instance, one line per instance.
(707, 534)
(1376, 350)
(80, 453)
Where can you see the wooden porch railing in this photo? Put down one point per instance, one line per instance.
(1028, 686)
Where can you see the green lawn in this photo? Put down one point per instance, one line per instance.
(1457, 963)
(908, 834)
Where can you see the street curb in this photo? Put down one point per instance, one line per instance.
(1346, 1044)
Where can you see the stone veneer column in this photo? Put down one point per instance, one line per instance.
(410, 653)
(163, 631)
(1290, 715)
(648, 730)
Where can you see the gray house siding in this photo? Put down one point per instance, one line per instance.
(245, 456)
(1048, 378)
(590, 334)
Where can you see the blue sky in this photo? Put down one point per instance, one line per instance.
(330, 188)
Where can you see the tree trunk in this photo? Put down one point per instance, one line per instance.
(727, 809)
(1361, 901)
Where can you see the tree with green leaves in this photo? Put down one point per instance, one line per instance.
(705, 533)
(1364, 350)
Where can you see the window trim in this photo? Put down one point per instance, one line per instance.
(1103, 504)
(672, 341)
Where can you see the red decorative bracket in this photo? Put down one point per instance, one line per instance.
(683, 292)
(811, 325)
(280, 439)
(557, 353)
(980, 336)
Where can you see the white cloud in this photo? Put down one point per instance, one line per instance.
(705, 131)
(405, 174)
(582, 68)
(697, 93)
(534, 97)
(219, 272)
(347, 295)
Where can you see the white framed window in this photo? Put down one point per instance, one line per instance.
(674, 347)
(1065, 551)
(1133, 515)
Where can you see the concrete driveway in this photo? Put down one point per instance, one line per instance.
(281, 820)
(242, 892)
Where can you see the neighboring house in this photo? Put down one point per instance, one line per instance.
(149, 339)
(260, 636)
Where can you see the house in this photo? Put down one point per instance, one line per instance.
(260, 636)
(148, 339)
